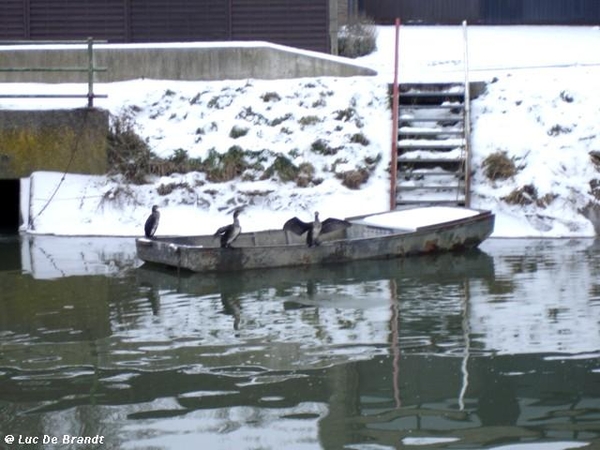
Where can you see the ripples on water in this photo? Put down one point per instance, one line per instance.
(487, 349)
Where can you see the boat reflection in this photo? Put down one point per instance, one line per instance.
(311, 282)
(289, 326)
(361, 294)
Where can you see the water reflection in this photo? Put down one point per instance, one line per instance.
(472, 350)
(544, 298)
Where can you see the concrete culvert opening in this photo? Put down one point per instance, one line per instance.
(9, 205)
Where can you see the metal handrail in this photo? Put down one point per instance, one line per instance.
(90, 69)
(467, 119)
(395, 113)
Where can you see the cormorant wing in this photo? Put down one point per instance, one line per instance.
(331, 224)
(223, 230)
(150, 226)
(297, 226)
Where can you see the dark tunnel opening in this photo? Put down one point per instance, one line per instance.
(9, 205)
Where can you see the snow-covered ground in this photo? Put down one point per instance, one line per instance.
(541, 107)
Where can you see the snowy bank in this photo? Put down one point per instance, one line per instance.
(540, 109)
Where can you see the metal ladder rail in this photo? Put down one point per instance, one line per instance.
(467, 119)
(395, 115)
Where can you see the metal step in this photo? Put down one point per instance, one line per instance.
(427, 101)
(423, 144)
(429, 173)
(401, 201)
(452, 166)
(441, 86)
(431, 89)
(452, 119)
(439, 188)
(424, 110)
(428, 132)
(429, 97)
(430, 160)
(459, 106)
(458, 92)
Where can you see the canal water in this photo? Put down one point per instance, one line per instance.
(496, 348)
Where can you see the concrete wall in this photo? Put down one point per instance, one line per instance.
(56, 140)
(45, 140)
(197, 61)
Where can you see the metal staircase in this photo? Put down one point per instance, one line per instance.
(430, 139)
(432, 161)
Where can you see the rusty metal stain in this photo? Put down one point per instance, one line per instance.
(430, 246)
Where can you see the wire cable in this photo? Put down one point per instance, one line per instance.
(66, 171)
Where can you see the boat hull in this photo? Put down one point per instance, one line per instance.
(276, 248)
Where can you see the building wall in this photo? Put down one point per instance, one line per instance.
(484, 12)
(305, 24)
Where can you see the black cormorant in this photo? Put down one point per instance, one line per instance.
(229, 233)
(314, 229)
(152, 222)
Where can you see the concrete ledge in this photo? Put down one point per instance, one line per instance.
(185, 61)
(55, 140)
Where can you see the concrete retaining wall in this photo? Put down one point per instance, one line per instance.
(56, 140)
(196, 61)
(46, 140)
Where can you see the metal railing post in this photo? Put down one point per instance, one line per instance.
(467, 117)
(90, 48)
(395, 107)
(90, 69)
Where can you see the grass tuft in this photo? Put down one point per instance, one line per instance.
(498, 166)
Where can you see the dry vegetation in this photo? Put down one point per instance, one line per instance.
(528, 195)
(357, 38)
(128, 154)
(498, 166)
(131, 157)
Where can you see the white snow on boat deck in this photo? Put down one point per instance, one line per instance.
(419, 217)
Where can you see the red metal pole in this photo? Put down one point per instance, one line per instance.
(395, 101)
